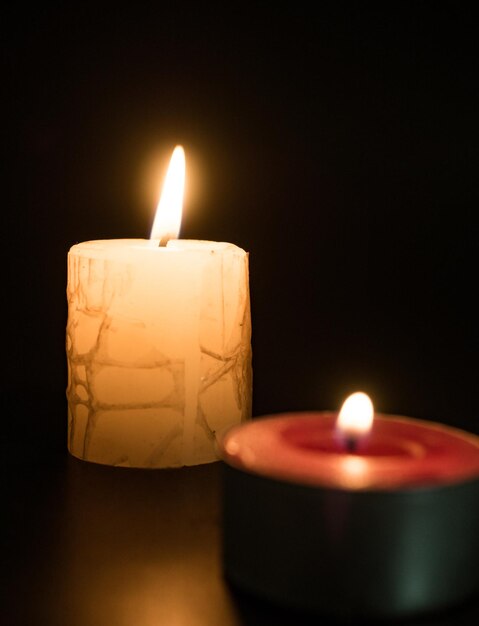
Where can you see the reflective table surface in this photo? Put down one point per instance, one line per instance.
(90, 545)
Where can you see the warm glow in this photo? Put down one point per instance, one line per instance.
(354, 471)
(356, 415)
(168, 213)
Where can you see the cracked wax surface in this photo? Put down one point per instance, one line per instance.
(158, 350)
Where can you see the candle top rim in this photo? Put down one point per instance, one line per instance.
(150, 246)
(272, 446)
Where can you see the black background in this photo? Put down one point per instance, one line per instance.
(337, 145)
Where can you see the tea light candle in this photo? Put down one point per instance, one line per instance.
(158, 343)
(352, 518)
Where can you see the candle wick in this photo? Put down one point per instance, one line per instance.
(164, 240)
(351, 444)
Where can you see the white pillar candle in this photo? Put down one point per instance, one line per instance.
(158, 350)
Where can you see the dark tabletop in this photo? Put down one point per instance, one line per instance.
(100, 546)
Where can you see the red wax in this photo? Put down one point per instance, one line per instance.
(307, 448)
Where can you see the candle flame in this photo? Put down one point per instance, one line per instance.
(356, 415)
(168, 212)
